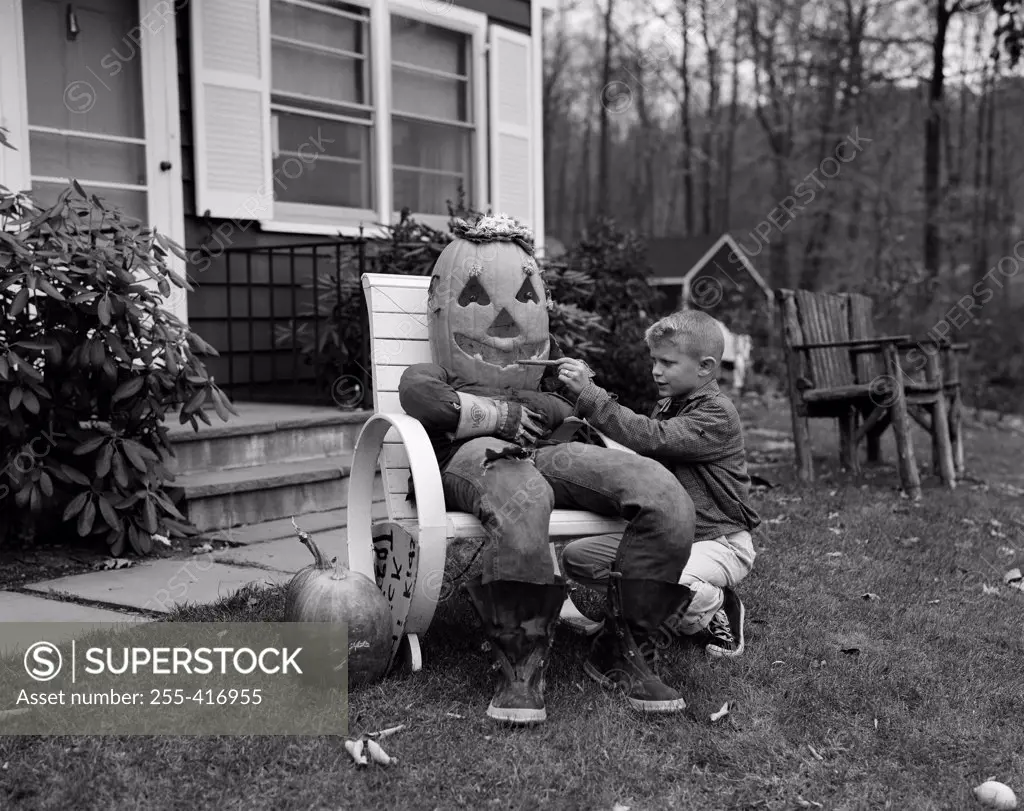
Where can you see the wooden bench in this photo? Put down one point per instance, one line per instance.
(838, 368)
(405, 552)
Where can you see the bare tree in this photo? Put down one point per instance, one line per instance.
(606, 78)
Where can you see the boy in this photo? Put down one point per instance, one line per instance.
(695, 431)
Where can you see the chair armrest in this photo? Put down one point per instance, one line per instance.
(611, 443)
(426, 476)
(866, 343)
(914, 343)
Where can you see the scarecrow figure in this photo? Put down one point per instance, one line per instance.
(491, 427)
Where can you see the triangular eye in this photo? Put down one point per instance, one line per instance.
(473, 293)
(527, 292)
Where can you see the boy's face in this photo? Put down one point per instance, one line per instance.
(677, 371)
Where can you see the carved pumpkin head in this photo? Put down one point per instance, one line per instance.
(488, 307)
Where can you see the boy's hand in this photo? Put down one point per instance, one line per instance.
(574, 374)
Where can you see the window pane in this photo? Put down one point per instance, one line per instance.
(430, 146)
(131, 203)
(428, 46)
(434, 96)
(318, 28)
(431, 160)
(310, 73)
(87, 159)
(320, 136)
(424, 194)
(322, 162)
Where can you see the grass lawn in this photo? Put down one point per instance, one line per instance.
(906, 701)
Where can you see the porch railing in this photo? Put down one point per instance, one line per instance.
(289, 321)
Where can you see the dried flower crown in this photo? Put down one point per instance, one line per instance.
(495, 228)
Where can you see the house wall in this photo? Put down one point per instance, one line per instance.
(263, 290)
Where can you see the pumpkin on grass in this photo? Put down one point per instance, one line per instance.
(325, 592)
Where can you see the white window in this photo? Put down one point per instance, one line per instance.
(314, 116)
(432, 115)
(321, 106)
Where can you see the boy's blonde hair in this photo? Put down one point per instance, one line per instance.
(692, 331)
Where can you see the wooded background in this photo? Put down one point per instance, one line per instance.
(688, 117)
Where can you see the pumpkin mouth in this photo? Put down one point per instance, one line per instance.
(501, 351)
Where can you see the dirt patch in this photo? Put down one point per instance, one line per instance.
(22, 565)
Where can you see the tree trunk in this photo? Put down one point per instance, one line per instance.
(933, 143)
(710, 125)
(687, 156)
(978, 230)
(606, 78)
(730, 143)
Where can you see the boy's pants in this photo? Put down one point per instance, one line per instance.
(713, 565)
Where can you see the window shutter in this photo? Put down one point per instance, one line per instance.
(511, 104)
(15, 169)
(231, 108)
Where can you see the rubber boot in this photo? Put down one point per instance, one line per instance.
(635, 613)
(519, 620)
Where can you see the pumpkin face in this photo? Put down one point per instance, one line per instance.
(488, 309)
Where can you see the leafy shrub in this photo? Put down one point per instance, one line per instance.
(603, 306)
(90, 365)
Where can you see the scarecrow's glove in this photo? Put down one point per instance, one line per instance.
(484, 416)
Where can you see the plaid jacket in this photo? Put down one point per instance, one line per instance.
(699, 438)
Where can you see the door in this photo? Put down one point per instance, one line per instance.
(102, 106)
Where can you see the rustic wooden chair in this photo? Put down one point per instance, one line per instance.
(405, 551)
(839, 369)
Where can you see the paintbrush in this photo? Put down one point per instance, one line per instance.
(538, 362)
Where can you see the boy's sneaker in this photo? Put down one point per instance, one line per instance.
(725, 631)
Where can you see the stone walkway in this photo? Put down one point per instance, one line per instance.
(148, 589)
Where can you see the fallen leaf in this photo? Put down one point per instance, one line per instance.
(778, 662)
(162, 539)
(832, 515)
(994, 523)
(454, 715)
(1012, 575)
(832, 492)
(868, 595)
(815, 752)
(968, 522)
(778, 520)
(833, 554)
(1005, 550)
(910, 541)
(620, 807)
(724, 711)
(995, 533)
(4, 714)
(835, 531)
(933, 602)
(987, 589)
(807, 803)
(113, 563)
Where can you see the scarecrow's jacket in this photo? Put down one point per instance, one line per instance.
(427, 393)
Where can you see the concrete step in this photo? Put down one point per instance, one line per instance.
(266, 434)
(250, 495)
(219, 500)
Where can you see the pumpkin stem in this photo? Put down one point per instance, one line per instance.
(319, 560)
